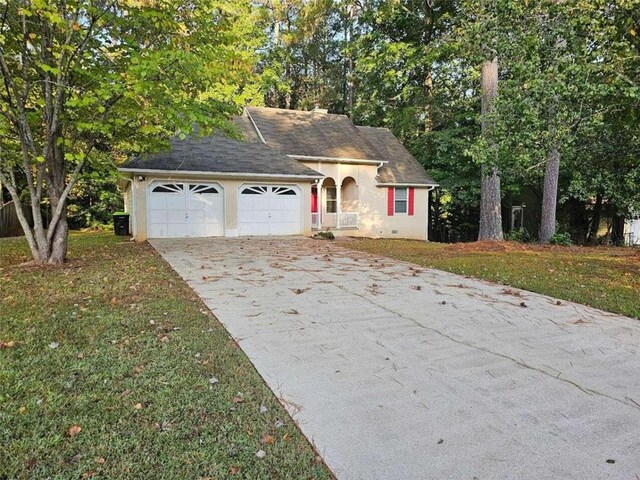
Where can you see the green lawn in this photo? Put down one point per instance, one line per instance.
(606, 278)
(126, 391)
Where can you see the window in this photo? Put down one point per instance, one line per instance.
(168, 188)
(332, 200)
(400, 202)
(202, 189)
(254, 191)
(283, 191)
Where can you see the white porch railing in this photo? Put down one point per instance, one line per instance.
(347, 220)
(315, 220)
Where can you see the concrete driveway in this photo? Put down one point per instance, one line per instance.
(396, 372)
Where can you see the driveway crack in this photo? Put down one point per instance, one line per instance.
(589, 391)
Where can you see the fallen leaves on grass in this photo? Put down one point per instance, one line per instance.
(9, 344)
(268, 439)
(74, 430)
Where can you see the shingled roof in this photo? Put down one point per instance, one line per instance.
(313, 134)
(317, 134)
(287, 133)
(220, 155)
(402, 167)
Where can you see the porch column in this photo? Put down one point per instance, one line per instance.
(338, 201)
(319, 189)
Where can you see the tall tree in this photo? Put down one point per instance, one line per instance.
(490, 198)
(83, 76)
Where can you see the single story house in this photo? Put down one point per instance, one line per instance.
(295, 173)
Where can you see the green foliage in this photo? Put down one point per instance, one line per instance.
(95, 196)
(561, 238)
(328, 235)
(521, 235)
(83, 78)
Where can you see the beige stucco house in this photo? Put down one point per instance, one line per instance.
(295, 173)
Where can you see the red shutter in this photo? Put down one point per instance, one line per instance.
(411, 200)
(390, 199)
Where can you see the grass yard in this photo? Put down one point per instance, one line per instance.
(110, 373)
(605, 278)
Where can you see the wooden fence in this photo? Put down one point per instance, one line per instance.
(9, 224)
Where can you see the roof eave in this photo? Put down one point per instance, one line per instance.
(416, 185)
(360, 161)
(150, 171)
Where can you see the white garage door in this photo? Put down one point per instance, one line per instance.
(185, 210)
(269, 210)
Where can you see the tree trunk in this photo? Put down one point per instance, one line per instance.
(617, 229)
(550, 195)
(490, 202)
(594, 226)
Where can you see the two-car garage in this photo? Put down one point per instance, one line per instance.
(197, 209)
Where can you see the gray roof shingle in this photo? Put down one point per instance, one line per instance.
(309, 133)
(220, 154)
(287, 132)
(402, 166)
(329, 135)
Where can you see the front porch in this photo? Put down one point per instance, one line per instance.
(334, 207)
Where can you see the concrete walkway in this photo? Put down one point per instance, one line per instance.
(396, 372)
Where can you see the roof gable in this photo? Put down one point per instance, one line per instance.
(313, 134)
(402, 166)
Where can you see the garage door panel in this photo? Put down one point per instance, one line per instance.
(195, 217)
(213, 215)
(184, 210)
(176, 230)
(176, 201)
(269, 210)
(292, 217)
(157, 216)
(176, 216)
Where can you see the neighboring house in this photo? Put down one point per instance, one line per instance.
(632, 230)
(296, 172)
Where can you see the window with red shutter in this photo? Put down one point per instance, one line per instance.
(390, 200)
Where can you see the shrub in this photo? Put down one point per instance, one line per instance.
(325, 235)
(561, 238)
(521, 235)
